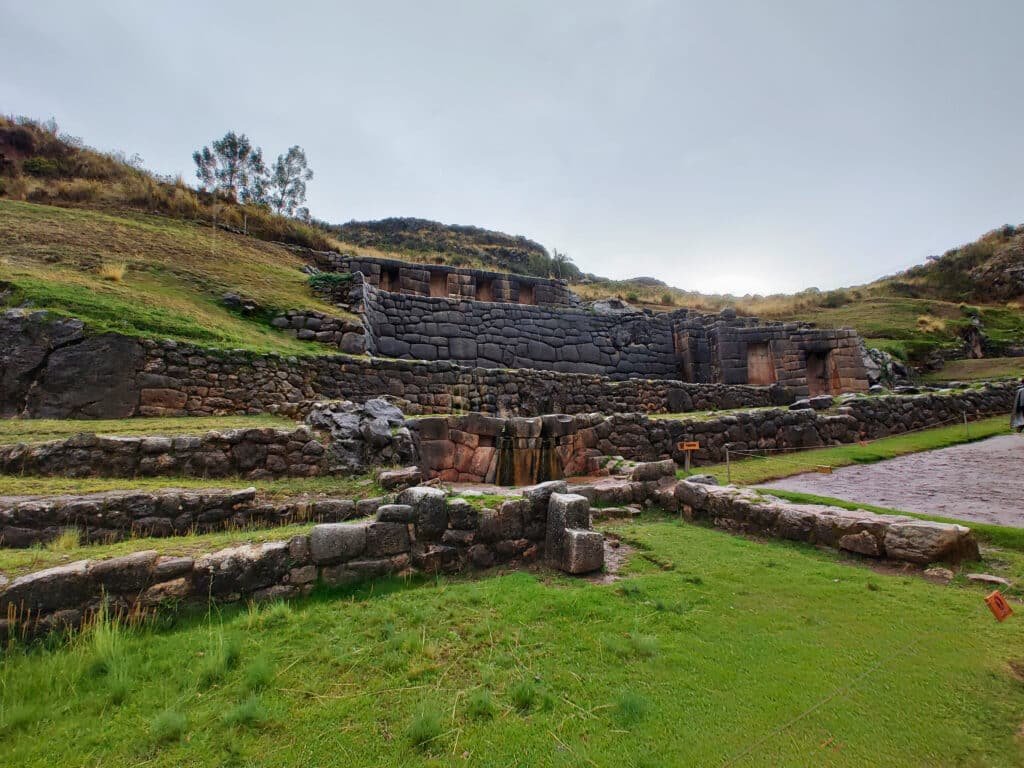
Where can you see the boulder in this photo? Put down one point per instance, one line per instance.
(925, 542)
(565, 510)
(399, 479)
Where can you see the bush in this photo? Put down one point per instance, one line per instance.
(633, 297)
(43, 167)
(667, 300)
(112, 271)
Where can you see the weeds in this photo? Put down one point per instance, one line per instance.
(168, 726)
(259, 675)
(112, 271)
(523, 695)
(223, 656)
(248, 714)
(630, 708)
(425, 728)
(480, 705)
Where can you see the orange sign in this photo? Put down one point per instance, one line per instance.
(689, 446)
(998, 605)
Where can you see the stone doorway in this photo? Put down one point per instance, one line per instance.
(822, 374)
(760, 365)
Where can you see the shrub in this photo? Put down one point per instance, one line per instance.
(168, 726)
(667, 300)
(425, 728)
(112, 271)
(43, 167)
(632, 297)
(79, 191)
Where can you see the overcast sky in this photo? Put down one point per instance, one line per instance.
(721, 146)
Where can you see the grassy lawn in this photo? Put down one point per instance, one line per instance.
(42, 430)
(755, 470)
(348, 487)
(729, 652)
(984, 368)
(175, 273)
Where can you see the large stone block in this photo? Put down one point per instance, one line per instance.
(430, 514)
(565, 510)
(924, 542)
(335, 542)
(584, 551)
(385, 539)
(66, 586)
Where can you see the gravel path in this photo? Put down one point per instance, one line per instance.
(982, 481)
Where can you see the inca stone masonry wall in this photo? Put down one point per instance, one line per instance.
(53, 369)
(252, 453)
(637, 437)
(114, 515)
(424, 531)
(893, 537)
(493, 335)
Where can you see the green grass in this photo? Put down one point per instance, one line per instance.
(1002, 546)
(348, 487)
(752, 471)
(42, 430)
(771, 654)
(176, 273)
(975, 370)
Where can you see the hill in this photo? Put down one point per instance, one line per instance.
(95, 235)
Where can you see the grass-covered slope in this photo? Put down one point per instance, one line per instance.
(150, 276)
(715, 650)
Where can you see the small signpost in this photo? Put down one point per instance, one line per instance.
(688, 447)
(998, 605)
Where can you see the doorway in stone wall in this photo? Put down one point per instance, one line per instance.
(760, 365)
(822, 374)
(438, 283)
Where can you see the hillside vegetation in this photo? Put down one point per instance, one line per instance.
(95, 235)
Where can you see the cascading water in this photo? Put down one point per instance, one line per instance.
(526, 460)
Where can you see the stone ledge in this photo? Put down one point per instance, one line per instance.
(892, 537)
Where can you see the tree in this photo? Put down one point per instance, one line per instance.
(561, 262)
(287, 182)
(233, 166)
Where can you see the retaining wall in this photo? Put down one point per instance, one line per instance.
(26, 521)
(252, 453)
(892, 537)
(638, 437)
(425, 532)
(53, 369)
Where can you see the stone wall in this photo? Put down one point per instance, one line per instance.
(425, 531)
(892, 537)
(311, 325)
(486, 335)
(53, 370)
(637, 437)
(252, 453)
(114, 515)
(456, 282)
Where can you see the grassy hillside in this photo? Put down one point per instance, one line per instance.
(150, 276)
(713, 650)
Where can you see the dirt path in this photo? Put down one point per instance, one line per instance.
(982, 481)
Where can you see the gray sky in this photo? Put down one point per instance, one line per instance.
(721, 146)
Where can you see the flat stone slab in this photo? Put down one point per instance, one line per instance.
(980, 482)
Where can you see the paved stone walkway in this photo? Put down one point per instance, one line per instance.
(982, 481)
